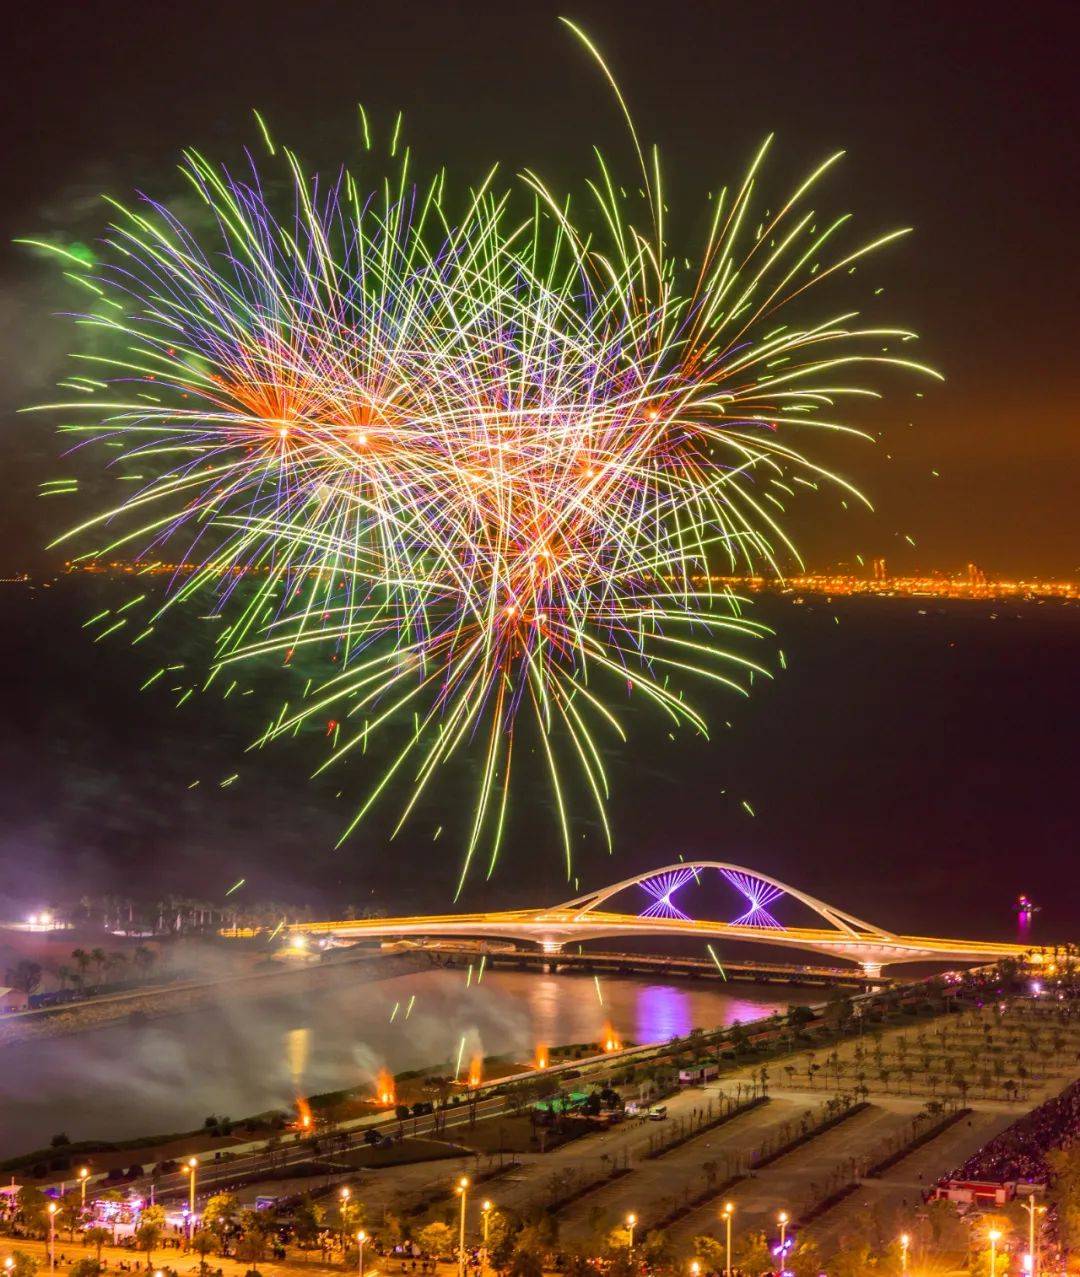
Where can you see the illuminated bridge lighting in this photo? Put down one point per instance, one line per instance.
(662, 888)
(759, 895)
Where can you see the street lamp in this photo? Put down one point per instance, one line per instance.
(52, 1236)
(782, 1218)
(84, 1175)
(631, 1221)
(190, 1166)
(695, 1268)
(728, 1211)
(905, 1242)
(995, 1236)
(361, 1237)
(463, 1190)
(1033, 1211)
(485, 1214)
(344, 1193)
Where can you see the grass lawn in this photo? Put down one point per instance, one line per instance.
(509, 1133)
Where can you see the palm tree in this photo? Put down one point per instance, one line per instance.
(82, 962)
(99, 959)
(148, 1236)
(202, 1244)
(96, 1237)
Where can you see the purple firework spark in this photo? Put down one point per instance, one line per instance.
(662, 888)
(759, 895)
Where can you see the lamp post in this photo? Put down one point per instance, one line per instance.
(695, 1268)
(905, 1242)
(485, 1213)
(463, 1191)
(361, 1237)
(84, 1175)
(729, 1210)
(1033, 1211)
(52, 1236)
(782, 1218)
(995, 1237)
(190, 1167)
(344, 1193)
(631, 1222)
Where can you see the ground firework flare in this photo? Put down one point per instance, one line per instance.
(476, 459)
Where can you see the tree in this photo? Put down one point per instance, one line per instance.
(147, 1237)
(85, 1267)
(218, 1216)
(852, 1259)
(251, 1248)
(22, 1264)
(525, 1264)
(656, 1250)
(436, 1239)
(392, 1232)
(805, 1259)
(32, 1204)
(99, 959)
(753, 1255)
(97, 1237)
(69, 1215)
(307, 1222)
(202, 1244)
(24, 976)
(711, 1253)
(350, 1217)
(1064, 1193)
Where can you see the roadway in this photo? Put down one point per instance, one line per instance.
(552, 929)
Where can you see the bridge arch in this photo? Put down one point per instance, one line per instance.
(845, 923)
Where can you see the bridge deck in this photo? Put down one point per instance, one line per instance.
(556, 927)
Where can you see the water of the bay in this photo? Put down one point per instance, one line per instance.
(243, 1057)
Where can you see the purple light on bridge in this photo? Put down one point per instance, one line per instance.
(759, 895)
(662, 888)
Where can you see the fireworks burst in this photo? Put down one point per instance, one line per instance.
(479, 466)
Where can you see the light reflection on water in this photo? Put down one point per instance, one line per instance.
(243, 1057)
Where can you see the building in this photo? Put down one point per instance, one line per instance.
(13, 999)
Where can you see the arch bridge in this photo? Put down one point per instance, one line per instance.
(839, 934)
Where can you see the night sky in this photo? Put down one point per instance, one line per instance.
(959, 119)
(905, 761)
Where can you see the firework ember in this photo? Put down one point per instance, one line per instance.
(465, 468)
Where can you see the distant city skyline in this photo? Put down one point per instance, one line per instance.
(870, 578)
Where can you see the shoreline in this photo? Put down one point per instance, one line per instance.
(163, 1001)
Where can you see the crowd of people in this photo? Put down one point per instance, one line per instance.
(1019, 1152)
